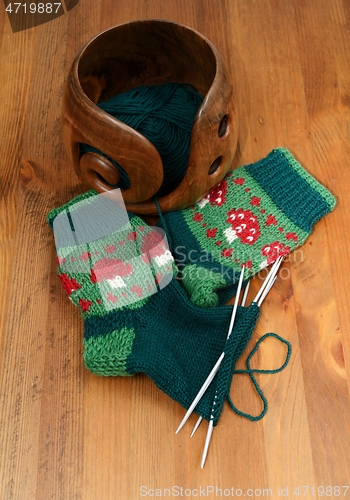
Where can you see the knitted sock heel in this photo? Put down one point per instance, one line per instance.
(258, 212)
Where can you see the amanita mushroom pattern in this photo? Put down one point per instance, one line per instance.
(111, 270)
(272, 252)
(217, 195)
(244, 225)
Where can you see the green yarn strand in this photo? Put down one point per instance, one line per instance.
(251, 372)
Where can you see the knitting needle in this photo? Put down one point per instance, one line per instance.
(217, 364)
(266, 287)
(266, 291)
(201, 392)
(196, 426)
(207, 442)
(269, 278)
(245, 294)
(235, 305)
(242, 305)
(211, 421)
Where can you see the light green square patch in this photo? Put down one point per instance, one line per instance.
(106, 355)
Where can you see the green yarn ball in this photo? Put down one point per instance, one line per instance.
(164, 114)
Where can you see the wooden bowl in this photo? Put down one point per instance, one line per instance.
(148, 52)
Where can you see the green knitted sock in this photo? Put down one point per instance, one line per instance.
(258, 212)
(128, 328)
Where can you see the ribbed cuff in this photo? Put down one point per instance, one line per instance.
(300, 197)
(71, 205)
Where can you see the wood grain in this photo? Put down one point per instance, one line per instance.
(148, 52)
(66, 434)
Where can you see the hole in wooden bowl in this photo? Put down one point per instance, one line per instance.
(98, 171)
(105, 181)
(215, 165)
(223, 126)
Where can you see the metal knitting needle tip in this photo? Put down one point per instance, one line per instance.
(201, 392)
(245, 294)
(207, 442)
(269, 278)
(235, 305)
(266, 291)
(196, 426)
(266, 281)
(233, 317)
(217, 364)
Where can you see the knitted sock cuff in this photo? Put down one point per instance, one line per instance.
(71, 205)
(298, 195)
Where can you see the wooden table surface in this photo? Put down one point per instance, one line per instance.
(66, 434)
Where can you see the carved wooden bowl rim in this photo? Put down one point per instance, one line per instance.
(194, 185)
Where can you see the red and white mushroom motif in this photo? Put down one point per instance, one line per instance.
(111, 270)
(272, 252)
(217, 195)
(244, 225)
(69, 284)
(154, 247)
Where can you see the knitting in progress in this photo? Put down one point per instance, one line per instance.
(255, 214)
(134, 321)
(131, 329)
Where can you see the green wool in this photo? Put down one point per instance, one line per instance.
(257, 213)
(106, 355)
(133, 324)
(204, 295)
(164, 114)
(163, 334)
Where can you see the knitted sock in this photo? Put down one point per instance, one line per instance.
(134, 320)
(258, 212)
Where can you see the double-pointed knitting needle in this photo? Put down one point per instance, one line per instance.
(269, 279)
(201, 392)
(211, 421)
(217, 364)
(264, 290)
(197, 424)
(245, 294)
(207, 442)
